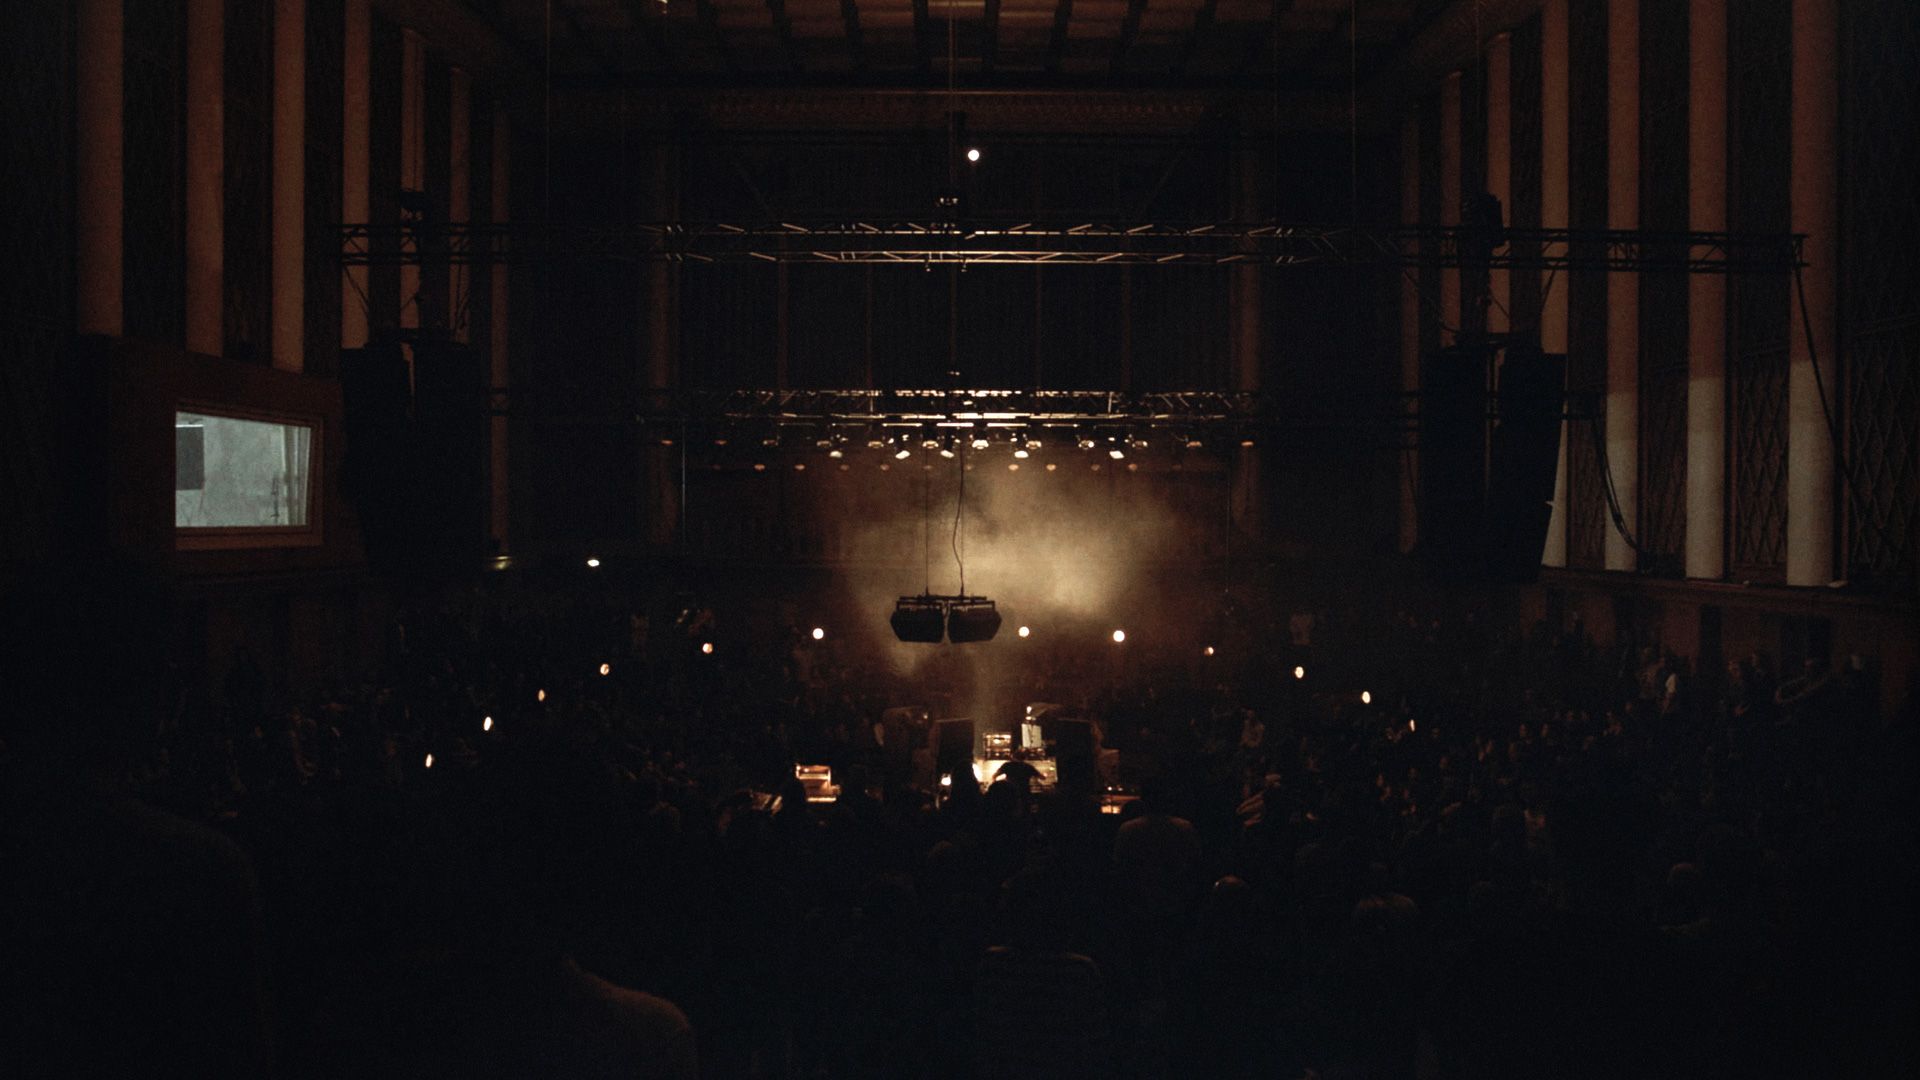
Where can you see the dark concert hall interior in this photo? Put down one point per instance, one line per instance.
(816, 539)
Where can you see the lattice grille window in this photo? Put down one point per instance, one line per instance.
(1880, 288)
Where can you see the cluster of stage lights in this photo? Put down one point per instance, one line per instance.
(948, 439)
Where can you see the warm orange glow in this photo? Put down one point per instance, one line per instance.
(539, 695)
(707, 647)
(486, 723)
(818, 633)
(593, 563)
(1410, 725)
(1366, 697)
(606, 669)
(429, 761)
(1119, 636)
(1299, 672)
(1208, 651)
(1025, 632)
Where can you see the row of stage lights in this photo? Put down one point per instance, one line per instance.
(947, 445)
(819, 633)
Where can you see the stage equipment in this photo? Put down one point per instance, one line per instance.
(971, 619)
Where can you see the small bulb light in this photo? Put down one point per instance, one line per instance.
(819, 633)
(1299, 672)
(1119, 636)
(1024, 632)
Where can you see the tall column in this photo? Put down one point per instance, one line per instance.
(497, 339)
(1450, 312)
(1814, 205)
(355, 149)
(99, 163)
(1410, 333)
(1247, 356)
(413, 173)
(1623, 290)
(1555, 195)
(662, 463)
(1706, 293)
(460, 188)
(205, 175)
(1500, 165)
(289, 270)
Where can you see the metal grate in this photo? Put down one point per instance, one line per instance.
(153, 165)
(1524, 213)
(36, 297)
(1880, 288)
(1587, 521)
(1759, 55)
(326, 47)
(1662, 528)
(248, 157)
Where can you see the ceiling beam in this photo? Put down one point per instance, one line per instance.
(1129, 29)
(783, 30)
(1057, 45)
(922, 48)
(850, 16)
(1202, 25)
(990, 36)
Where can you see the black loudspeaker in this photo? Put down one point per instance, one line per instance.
(1452, 429)
(378, 468)
(1073, 755)
(953, 748)
(972, 622)
(450, 423)
(1526, 451)
(914, 621)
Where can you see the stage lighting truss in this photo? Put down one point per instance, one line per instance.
(929, 421)
(1065, 243)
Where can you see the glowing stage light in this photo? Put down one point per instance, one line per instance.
(539, 695)
(1022, 454)
(980, 442)
(1013, 466)
(819, 633)
(799, 466)
(946, 451)
(486, 723)
(706, 647)
(593, 563)
(946, 780)
(1366, 697)
(1116, 453)
(902, 454)
(429, 761)
(836, 453)
(973, 155)
(1024, 632)
(1086, 442)
(1410, 724)
(1246, 444)
(1299, 672)
(759, 467)
(606, 669)
(1051, 466)
(1119, 636)
(1208, 651)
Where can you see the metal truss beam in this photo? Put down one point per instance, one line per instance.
(1098, 243)
(855, 415)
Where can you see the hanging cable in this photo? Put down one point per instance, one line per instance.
(1614, 512)
(959, 513)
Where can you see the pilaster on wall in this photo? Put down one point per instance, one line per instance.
(1452, 315)
(99, 203)
(413, 140)
(1410, 330)
(1623, 290)
(1706, 293)
(205, 175)
(497, 340)
(355, 161)
(289, 184)
(1555, 193)
(1814, 205)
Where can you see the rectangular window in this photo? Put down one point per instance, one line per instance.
(242, 481)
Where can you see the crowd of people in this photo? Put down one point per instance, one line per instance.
(557, 835)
